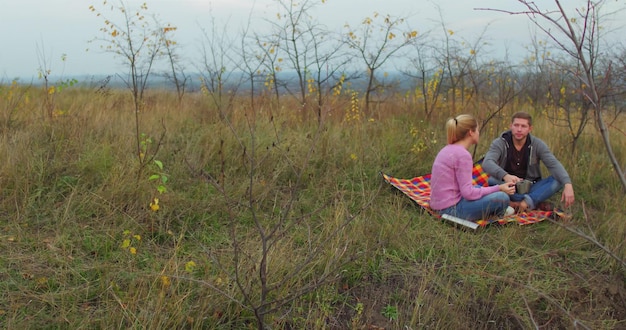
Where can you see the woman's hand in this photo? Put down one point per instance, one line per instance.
(508, 188)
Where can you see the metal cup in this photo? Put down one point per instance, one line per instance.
(523, 187)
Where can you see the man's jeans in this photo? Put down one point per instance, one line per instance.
(539, 191)
(492, 204)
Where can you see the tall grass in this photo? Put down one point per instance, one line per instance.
(75, 200)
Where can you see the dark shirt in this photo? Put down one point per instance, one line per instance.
(517, 161)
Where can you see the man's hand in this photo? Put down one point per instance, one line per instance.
(523, 207)
(510, 178)
(568, 195)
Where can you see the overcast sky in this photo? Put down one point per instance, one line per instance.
(50, 29)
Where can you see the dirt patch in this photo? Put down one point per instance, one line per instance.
(597, 301)
(376, 299)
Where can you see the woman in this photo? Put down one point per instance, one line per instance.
(452, 191)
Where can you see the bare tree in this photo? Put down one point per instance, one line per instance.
(328, 67)
(269, 58)
(176, 71)
(457, 60)
(375, 42)
(616, 83)
(537, 68)
(567, 106)
(44, 72)
(219, 61)
(563, 103)
(138, 42)
(293, 40)
(496, 85)
(264, 218)
(251, 62)
(299, 37)
(579, 36)
(50, 88)
(423, 69)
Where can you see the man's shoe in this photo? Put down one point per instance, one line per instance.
(545, 206)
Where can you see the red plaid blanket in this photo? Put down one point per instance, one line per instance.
(418, 189)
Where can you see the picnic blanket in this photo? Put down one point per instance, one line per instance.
(418, 189)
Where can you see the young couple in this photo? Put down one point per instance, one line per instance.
(512, 157)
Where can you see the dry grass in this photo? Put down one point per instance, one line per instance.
(72, 192)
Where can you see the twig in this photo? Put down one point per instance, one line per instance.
(575, 321)
(530, 312)
(591, 238)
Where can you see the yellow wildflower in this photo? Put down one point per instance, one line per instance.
(154, 205)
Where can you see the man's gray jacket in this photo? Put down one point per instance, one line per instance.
(496, 158)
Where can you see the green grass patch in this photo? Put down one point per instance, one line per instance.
(283, 217)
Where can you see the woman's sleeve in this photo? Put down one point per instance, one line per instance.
(464, 178)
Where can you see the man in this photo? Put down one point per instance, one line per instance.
(515, 156)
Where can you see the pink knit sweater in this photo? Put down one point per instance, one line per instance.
(452, 178)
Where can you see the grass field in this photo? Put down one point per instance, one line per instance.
(265, 215)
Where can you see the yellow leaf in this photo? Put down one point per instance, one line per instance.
(165, 281)
(190, 266)
(58, 113)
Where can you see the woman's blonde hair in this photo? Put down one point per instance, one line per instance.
(458, 127)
